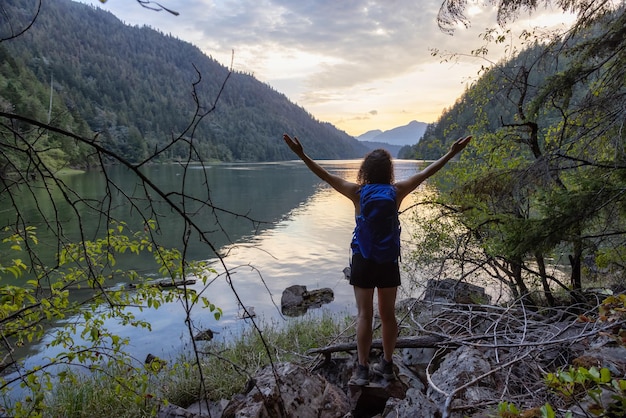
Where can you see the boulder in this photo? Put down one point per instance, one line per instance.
(449, 290)
(612, 358)
(382, 398)
(288, 390)
(379, 394)
(296, 299)
(414, 400)
(458, 368)
(205, 335)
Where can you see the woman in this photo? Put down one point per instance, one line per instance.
(367, 275)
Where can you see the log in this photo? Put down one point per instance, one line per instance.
(166, 283)
(427, 341)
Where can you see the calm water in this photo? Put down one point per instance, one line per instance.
(303, 240)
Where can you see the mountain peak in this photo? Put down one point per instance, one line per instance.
(408, 134)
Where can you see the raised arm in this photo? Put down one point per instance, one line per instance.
(404, 187)
(346, 188)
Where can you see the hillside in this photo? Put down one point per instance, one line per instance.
(492, 102)
(393, 149)
(135, 87)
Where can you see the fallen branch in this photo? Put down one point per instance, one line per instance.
(167, 283)
(429, 341)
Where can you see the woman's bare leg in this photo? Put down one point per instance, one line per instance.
(387, 312)
(365, 315)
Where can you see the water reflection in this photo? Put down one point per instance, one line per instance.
(302, 237)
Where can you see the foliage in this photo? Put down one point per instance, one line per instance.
(452, 12)
(594, 389)
(227, 366)
(544, 176)
(613, 310)
(584, 388)
(103, 393)
(576, 380)
(21, 92)
(85, 341)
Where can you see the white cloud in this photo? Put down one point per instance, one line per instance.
(338, 59)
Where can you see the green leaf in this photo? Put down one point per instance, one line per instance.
(547, 411)
(605, 375)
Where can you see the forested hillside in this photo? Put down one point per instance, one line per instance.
(487, 105)
(135, 87)
(496, 101)
(542, 182)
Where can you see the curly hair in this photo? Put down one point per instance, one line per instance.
(377, 167)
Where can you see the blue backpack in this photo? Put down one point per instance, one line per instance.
(377, 233)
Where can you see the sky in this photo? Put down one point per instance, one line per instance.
(360, 65)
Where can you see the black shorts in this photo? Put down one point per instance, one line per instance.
(369, 274)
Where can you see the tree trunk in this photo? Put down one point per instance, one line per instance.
(544, 279)
(575, 262)
(516, 267)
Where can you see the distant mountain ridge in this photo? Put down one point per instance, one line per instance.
(394, 150)
(409, 134)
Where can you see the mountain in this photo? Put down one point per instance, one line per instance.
(409, 134)
(369, 135)
(394, 150)
(140, 89)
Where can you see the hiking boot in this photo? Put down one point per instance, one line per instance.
(362, 377)
(384, 369)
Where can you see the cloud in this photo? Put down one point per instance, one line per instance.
(339, 59)
(352, 42)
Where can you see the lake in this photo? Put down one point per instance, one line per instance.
(295, 230)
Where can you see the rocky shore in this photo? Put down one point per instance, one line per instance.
(461, 359)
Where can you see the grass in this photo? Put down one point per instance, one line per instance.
(117, 391)
(123, 392)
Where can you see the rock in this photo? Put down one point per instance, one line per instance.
(247, 313)
(292, 296)
(298, 393)
(414, 400)
(206, 335)
(296, 299)
(347, 271)
(366, 400)
(458, 368)
(208, 409)
(561, 354)
(613, 358)
(173, 411)
(449, 290)
(382, 395)
(417, 356)
(200, 409)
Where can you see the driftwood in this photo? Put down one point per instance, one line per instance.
(402, 342)
(167, 283)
